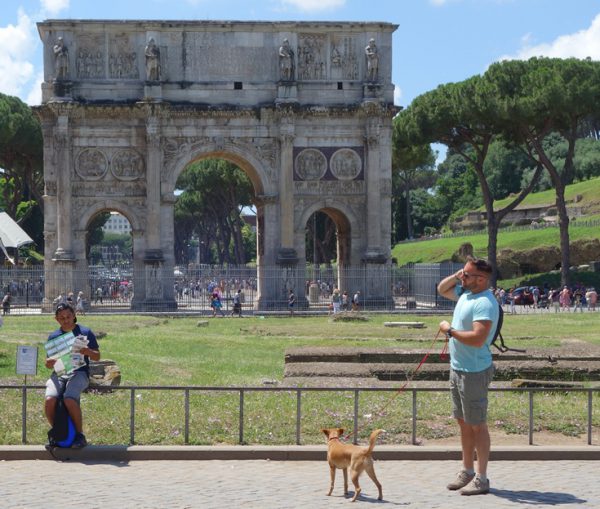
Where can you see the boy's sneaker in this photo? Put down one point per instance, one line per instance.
(80, 442)
(462, 479)
(476, 487)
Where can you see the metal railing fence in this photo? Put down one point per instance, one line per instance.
(242, 391)
(411, 287)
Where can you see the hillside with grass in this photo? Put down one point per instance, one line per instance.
(585, 195)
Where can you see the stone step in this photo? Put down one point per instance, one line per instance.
(397, 355)
(505, 370)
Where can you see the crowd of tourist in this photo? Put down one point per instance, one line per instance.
(566, 299)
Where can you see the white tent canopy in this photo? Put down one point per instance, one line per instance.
(11, 234)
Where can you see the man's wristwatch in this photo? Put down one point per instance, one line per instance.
(450, 331)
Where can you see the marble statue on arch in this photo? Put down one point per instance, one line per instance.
(152, 53)
(372, 60)
(286, 61)
(61, 59)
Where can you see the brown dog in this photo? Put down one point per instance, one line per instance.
(357, 458)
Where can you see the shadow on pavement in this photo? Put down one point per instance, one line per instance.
(534, 498)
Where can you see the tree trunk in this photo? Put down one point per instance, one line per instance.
(409, 226)
(563, 222)
(561, 207)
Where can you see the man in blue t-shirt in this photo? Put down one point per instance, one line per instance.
(71, 385)
(471, 370)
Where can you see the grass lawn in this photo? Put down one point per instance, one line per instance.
(245, 352)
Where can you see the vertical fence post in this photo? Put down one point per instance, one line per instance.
(24, 415)
(356, 395)
(530, 417)
(132, 417)
(414, 417)
(241, 438)
(590, 415)
(298, 414)
(186, 397)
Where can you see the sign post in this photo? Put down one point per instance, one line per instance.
(27, 357)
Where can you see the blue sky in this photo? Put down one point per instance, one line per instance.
(438, 41)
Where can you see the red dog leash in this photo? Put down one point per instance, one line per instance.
(443, 356)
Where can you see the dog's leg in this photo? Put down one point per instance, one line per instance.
(332, 475)
(354, 477)
(345, 481)
(371, 473)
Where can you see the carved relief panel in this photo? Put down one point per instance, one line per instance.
(328, 163)
(122, 59)
(125, 164)
(90, 62)
(312, 57)
(343, 58)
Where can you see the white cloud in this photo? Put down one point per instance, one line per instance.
(314, 5)
(34, 97)
(53, 7)
(582, 44)
(397, 95)
(18, 43)
(438, 3)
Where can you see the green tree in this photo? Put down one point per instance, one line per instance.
(413, 168)
(214, 193)
(464, 117)
(21, 155)
(538, 98)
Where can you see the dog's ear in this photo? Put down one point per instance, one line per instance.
(340, 431)
(325, 432)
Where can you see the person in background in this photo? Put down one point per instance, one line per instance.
(356, 301)
(6, 300)
(80, 306)
(470, 335)
(237, 304)
(291, 302)
(336, 301)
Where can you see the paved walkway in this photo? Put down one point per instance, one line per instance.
(286, 484)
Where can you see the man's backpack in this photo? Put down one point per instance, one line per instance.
(62, 433)
(497, 334)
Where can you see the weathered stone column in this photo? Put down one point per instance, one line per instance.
(64, 251)
(154, 271)
(287, 254)
(377, 290)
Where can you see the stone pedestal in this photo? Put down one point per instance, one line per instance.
(153, 91)
(372, 92)
(61, 90)
(287, 92)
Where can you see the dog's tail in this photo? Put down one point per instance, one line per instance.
(372, 439)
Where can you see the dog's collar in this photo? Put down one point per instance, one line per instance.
(333, 438)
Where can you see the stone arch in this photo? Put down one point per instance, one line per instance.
(343, 217)
(253, 167)
(117, 206)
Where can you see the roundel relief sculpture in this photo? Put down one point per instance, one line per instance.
(127, 164)
(91, 164)
(345, 164)
(311, 164)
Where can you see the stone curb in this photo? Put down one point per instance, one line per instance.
(123, 453)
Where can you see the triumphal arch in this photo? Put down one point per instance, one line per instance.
(303, 108)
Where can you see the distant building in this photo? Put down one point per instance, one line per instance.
(116, 223)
